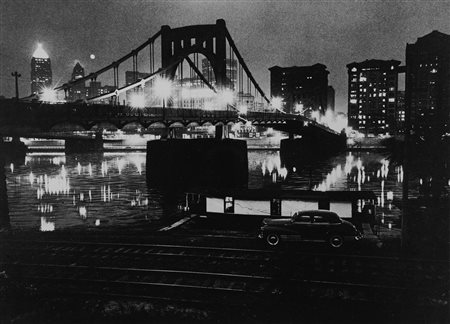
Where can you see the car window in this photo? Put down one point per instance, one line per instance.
(302, 218)
(321, 219)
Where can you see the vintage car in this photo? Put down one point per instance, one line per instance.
(309, 225)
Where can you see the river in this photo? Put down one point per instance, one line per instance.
(52, 191)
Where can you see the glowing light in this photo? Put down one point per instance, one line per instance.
(277, 103)
(225, 97)
(92, 56)
(40, 52)
(97, 222)
(243, 109)
(46, 226)
(162, 88)
(389, 195)
(11, 166)
(336, 122)
(83, 212)
(48, 95)
(137, 100)
(298, 108)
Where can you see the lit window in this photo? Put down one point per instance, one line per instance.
(353, 101)
(391, 99)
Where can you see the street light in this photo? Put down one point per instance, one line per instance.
(277, 103)
(48, 95)
(163, 89)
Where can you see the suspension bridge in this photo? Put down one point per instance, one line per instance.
(199, 78)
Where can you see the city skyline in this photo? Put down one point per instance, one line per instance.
(285, 34)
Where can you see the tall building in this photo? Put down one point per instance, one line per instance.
(302, 88)
(428, 84)
(77, 91)
(372, 96)
(41, 70)
(400, 113)
(330, 98)
(231, 66)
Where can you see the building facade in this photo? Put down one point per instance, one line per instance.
(231, 74)
(331, 94)
(41, 70)
(303, 89)
(372, 96)
(77, 91)
(428, 85)
(400, 113)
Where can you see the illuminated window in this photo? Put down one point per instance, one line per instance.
(353, 101)
(391, 99)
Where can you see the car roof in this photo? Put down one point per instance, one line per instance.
(316, 212)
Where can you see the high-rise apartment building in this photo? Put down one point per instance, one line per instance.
(41, 70)
(303, 89)
(372, 96)
(428, 85)
(400, 113)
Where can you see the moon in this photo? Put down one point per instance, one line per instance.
(92, 56)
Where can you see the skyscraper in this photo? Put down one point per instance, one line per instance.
(372, 96)
(303, 88)
(427, 96)
(77, 91)
(41, 70)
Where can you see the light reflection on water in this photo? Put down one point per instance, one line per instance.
(347, 171)
(51, 192)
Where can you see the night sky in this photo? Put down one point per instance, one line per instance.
(267, 33)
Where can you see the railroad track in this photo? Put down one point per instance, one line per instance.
(212, 274)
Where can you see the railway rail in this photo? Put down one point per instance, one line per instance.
(213, 273)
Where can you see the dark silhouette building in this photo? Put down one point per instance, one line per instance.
(372, 96)
(303, 88)
(78, 90)
(331, 94)
(400, 112)
(428, 85)
(41, 70)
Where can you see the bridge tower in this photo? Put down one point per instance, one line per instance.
(209, 40)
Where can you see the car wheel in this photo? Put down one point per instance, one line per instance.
(273, 239)
(336, 241)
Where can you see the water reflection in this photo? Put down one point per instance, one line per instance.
(46, 226)
(111, 189)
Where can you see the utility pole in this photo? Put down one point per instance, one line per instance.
(16, 75)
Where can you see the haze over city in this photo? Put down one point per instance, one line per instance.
(267, 33)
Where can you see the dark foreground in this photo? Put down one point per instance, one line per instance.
(186, 275)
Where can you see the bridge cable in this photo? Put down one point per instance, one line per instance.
(112, 65)
(241, 61)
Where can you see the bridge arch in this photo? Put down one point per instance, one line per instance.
(104, 126)
(132, 126)
(68, 126)
(210, 40)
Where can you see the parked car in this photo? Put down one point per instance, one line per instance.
(309, 225)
